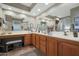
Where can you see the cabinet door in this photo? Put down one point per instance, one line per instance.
(27, 39)
(69, 49)
(33, 39)
(43, 40)
(43, 46)
(37, 41)
(51, 46)
(43, 49)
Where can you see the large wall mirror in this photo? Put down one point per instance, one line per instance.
(64, 24)
(55, 24)
(12, 24)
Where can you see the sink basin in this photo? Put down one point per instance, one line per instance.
(5, 33)
(9, 33)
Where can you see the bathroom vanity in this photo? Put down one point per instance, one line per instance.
(49, 45)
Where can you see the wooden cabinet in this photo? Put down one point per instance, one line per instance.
(27, 39)
(59, 48)
(43, 49)
(33, 39)
(37, 41)
(51, 46)
(43, 46)
(68, 49)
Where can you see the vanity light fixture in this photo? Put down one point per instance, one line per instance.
(43, 20)
(57, 18)
(9, 8)
(23, 12)
(46, 3)
(38, 9)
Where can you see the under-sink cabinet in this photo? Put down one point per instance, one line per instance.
(27, 39)
(54, 46)
(68, 48)
(51, 46)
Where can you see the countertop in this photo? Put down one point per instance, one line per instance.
(61, 35)
(14, 33)
(52, 34)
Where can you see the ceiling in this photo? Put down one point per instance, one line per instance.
(40, 9)
(24, 6)
(61, 10)
(30, 9)
(27, 4)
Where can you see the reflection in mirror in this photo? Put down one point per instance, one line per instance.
(16, 25)
(0, 23)
(12, 24)
(65, 24)
(25, 26)
(43, 27)
(32, 27)
(7, 23)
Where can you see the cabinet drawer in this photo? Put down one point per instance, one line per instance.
(42, 43)
(43, 37)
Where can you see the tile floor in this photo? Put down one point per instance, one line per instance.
(23, 51)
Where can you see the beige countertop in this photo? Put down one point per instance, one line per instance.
(61, 35)
(14, 33)
(53, 34)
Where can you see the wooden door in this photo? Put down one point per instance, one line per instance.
(51, 46)
(27, 39)
(69, 49)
